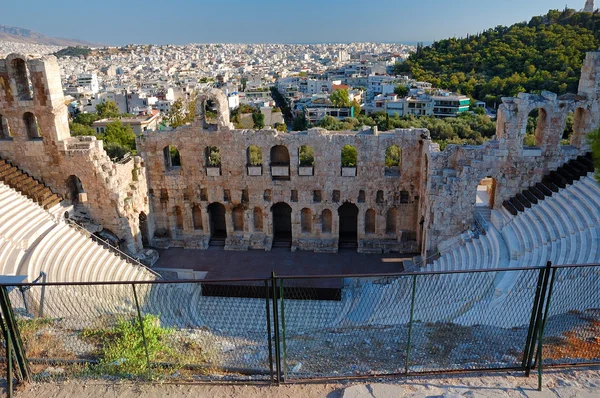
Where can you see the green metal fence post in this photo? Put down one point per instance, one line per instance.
(283, 329)
(534, 310)
(269, 340)
(539, 316)
(276, 326)
(23, 372)
(141, 321)
(410, 323)
(538, 358)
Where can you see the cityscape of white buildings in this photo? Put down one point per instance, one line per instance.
(146, 80)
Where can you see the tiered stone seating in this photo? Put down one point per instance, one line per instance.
(33, 241)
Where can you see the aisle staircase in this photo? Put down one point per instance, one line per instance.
(25, 184)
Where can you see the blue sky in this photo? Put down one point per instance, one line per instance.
(258, 21)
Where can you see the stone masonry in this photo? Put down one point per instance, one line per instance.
(197, 181)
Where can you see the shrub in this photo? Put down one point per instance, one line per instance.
(349, 155)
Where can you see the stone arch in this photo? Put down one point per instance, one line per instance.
(306, 220)
(349, 156)
(306, 156)
(326, 221)
(178, 218)
(393, 161)
(4, 129)
(258, 219)
(282, 222)
(348, 215)
(212, 156)
(31, 126)
(74, 187)
(581, 122)
(486, 192)
(238, 218)
(197, 218)
(280, 162)
(144, 228)
(171, 157)
(370, 222)
(216, 217)
(535, 128)
(391, 221)
(254, 156)
(22, 79)
(219, 99)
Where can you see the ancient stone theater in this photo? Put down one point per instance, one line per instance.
(208, 184)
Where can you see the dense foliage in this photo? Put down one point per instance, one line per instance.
(73, 52)
(118, 138)
(182, 112)
(468, 128)
(544, 54)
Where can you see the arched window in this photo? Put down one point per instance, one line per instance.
(581, 119)
(238, 219)
(254, 156)
(361, 196)
(306, 156)
(4, 130)
(326, 221)
(31, 126)
(171, 157)
(306, 220)
(391, 221)
(178, 218)
(213, 156)
(349, 161)
(534, 130)
(75, 187)
(22, 79)
(280, 163)
(370, 221)
(258, 219)
(379, 197)
(197, 217)
(393, 160)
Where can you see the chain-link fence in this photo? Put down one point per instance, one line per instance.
(294, 328)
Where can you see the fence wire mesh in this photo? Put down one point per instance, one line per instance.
(572, 332)
(95, 330)
(313, 327)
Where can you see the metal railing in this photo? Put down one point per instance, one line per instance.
(295, 328)
(106, 244)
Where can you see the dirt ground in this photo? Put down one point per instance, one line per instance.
(564, 383)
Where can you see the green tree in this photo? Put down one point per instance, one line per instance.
(281, 127)
(214, 156)
(356, 107)
(306, 156)
(254, 155)
(86, 119)
(300, 123)
(78, 129)
(108, 109)
(393, 156)
(117, 132)
(401, 90)
(259, 120)
(349, 156)
(340, 98)
(115, 151)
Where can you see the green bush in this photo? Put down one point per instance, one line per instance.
(306, 156)
(393, 156)
(254, 156)
(214, 156)
(122, 349)
(349, 156)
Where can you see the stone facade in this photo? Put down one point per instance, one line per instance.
(115, 194)
(199, 181)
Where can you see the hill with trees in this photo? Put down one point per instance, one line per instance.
(545, 53)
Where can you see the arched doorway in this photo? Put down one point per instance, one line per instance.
(282, 225)
(218, 228)
(348, 238)
(75, 187)
(144, 229)
(486, 190)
